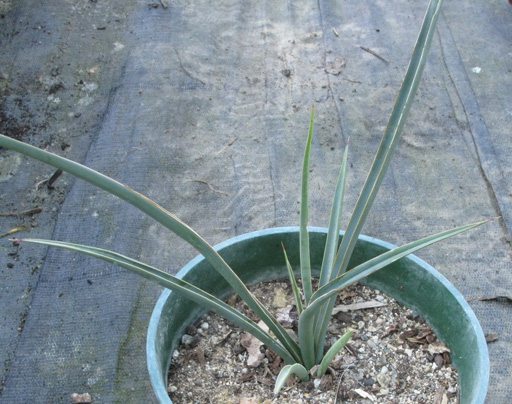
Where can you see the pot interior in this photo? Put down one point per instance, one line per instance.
(258, 257)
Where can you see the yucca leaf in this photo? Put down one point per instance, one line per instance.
(333, 233)
(286, 372)
(305, 261)
(178, 286)
(165, 218)
(332, 352)
(383, 156)
(293, 282)
(325, 293)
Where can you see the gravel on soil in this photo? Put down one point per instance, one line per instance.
(393, 357)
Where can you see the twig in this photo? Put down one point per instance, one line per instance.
(32, 211)
(185, 69)
(53, 178)
(228, 145)
(484, 298)
(352, 81)
(211, 188)
(358, 306)
(17, 229)
(374, 54)
(49, 182)
(339, 384)
(164, 4)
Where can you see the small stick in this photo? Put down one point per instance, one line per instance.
(484, 298)
(211, 188)
(374, 54)
(17, 229)
(32, 211)
(53, 178)
(164, 4)
(49, 182)
(228, 145)
(186, 71)
(352, 81)
(339, 385)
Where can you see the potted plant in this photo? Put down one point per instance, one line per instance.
(338, 259)
(256, 256)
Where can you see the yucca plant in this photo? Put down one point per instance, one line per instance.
(303, 354)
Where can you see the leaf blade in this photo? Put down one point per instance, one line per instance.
(177, 285)
(333, 233)
(166, 219)
(333, 236)
(332, 352)
(305, 261)
(384, 154)
(365, 269)
(293, 282)
(286, 372)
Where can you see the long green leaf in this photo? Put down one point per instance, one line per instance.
(325, 293)
(178, 286)
(305, 261)
(384, 153)
(165, 218)
(332, 352)
(293, 282)
(333, 236)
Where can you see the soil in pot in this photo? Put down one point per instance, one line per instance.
(393, 357)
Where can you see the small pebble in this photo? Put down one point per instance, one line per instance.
(84, 398)
(384, 380)
(185, 339)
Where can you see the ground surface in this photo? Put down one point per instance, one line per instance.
(204, 107)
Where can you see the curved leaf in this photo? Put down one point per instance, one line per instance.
(165, 218)
(286, 372)
(177, 285)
